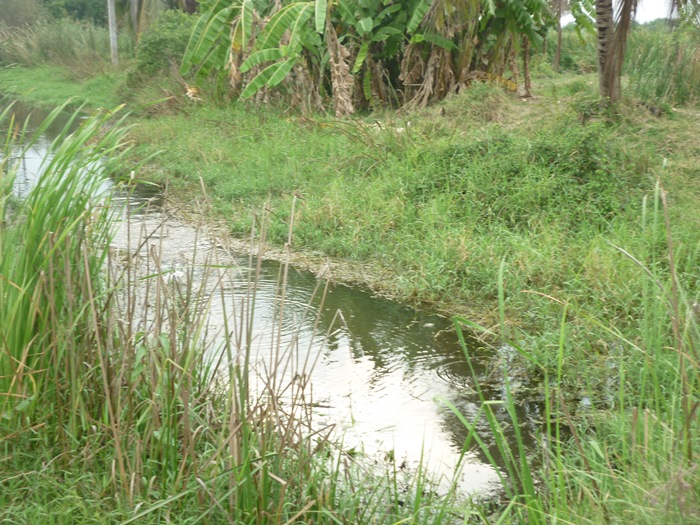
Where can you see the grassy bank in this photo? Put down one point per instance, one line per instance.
(439, 199)
(51, 86)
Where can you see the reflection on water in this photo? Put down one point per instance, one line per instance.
(377, 366)
(30, 162)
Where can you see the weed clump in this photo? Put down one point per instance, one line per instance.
(574, 176)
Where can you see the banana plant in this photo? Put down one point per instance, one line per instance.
(360, 46)
(513, 21)
(281, 42)
(210, 42)
(375, 33)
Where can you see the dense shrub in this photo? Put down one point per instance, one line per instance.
(162, 45)
(94, 11)
(563, 176)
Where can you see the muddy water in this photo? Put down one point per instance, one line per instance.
(376, 367)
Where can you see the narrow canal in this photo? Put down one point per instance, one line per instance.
(376, 367)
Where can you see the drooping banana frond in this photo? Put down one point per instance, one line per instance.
(288, 24)
(291, 17)
(210, 41)
(242, 31)
(271, 76)
(418, 15)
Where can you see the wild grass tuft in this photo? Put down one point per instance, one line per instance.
(663, 67)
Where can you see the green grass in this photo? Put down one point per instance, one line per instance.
(51, 86)
(661, 66)
(457, 193)
(632, 457)
(664, 66)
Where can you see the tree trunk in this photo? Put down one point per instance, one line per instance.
(112, 19)
(612, 43)
(134, 13)
(189, 6)
(526, 67)
(606, 58)
(557, 54)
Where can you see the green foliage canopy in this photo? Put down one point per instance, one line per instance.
(92, 10)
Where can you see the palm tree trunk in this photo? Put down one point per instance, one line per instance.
(604, 23)
(557, 54)
(526, 67)
(112, 20)
(134, 13)
(612, 43)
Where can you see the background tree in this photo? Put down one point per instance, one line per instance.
(582, 12)
(93, 10)
(19, 13)
(112, 22)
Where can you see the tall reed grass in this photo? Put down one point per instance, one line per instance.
(82, 47)
(630, 454)
(664, 66)
(115, 410)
